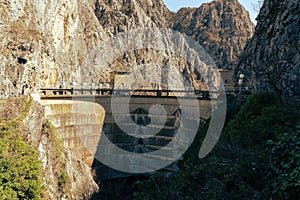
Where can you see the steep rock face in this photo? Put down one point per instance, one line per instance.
(222, 27)
(138, 15)
(119, 16)
(43, 42)
(271, 59)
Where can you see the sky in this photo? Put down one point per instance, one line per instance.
(175, 5)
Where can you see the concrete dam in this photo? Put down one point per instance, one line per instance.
(82, 121)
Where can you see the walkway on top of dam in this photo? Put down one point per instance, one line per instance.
(162, 93)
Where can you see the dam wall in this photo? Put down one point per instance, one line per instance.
(78, 124)
(81, 120)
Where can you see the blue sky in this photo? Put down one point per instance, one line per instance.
(175, 5)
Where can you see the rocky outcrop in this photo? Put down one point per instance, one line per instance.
(43, 43)
(64, 176)
(271, 59)
(221, 27)
(122, 15)
(46, 43)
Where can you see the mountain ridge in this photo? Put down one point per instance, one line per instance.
(222, 27)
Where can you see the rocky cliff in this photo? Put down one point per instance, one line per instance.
(45, 43)
(271, 59)
(122, 15)
(221, 27)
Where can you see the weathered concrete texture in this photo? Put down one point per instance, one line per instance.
(171, 104)
(80, 122)
(79, 125)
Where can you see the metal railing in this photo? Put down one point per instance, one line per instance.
(139, 92)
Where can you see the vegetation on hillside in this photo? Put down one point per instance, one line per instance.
(20, 169)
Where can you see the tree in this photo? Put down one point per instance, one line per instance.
(20, 168)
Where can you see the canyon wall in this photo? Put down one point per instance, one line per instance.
(271, 59)
(45, 43)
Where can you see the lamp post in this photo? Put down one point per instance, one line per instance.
(241, 81)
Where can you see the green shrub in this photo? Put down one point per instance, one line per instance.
(260, 119)
(20, 168)
(285, 166)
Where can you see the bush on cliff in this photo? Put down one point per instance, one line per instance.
(284, 165)
(20, 168)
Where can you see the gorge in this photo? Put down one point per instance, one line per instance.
(50, 44)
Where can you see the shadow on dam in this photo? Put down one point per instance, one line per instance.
(132, 132)
(136, 144)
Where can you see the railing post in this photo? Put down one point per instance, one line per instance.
(158, 93)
